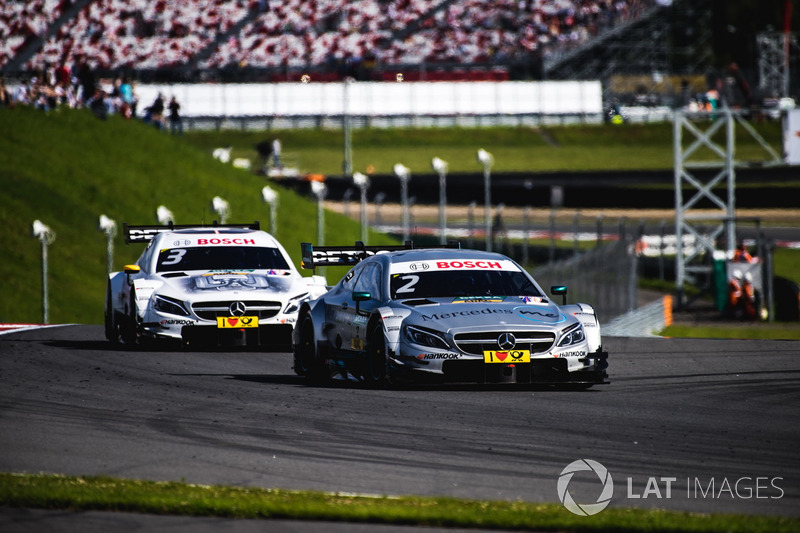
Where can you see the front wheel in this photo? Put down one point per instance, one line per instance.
(128, 327)
(306, 359)
(376, 363)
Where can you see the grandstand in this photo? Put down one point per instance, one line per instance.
(269, 41)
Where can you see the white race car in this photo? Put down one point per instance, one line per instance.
(443, 314)
(207, 286)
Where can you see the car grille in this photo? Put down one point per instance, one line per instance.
(477, 343)
(212, 310)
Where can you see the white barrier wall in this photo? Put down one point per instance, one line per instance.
(380, 98)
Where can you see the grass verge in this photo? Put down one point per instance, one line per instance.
(726, 331)
(110, 494)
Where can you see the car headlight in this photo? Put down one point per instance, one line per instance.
(173, 306)
(425, 337)
(572, 335)
(294, 304)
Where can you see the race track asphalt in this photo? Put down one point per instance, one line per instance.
(712, 422)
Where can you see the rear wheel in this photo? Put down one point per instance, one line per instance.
(111, 328)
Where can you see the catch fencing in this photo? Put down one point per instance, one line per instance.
(605, 277)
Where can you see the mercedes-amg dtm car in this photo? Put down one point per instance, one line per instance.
(444, 314)
(207, 286)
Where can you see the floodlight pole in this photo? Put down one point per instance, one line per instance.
(440, 166)
(221, 207)
(109, 252)
(46, 236)
(363, 184)
(271, 197)
(109, 227)
(486, 159)
(45, 307)
(404, 174)
(347, 165)
(164, 216)
(319, 189)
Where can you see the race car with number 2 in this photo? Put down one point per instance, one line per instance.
(207, 286)
(442, 314)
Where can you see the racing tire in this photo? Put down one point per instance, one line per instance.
(127, 328)
(376, 363)
(306, 357)
(111, 327)
(575, 387)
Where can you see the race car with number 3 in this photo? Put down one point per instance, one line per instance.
(443, 314)
(207, 286)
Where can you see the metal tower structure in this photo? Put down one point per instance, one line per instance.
(773, 62)
(705, 165)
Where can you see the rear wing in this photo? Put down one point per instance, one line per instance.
(317, 256)
(146, 233)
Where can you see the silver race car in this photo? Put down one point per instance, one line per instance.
(207, 286)
(442, 314)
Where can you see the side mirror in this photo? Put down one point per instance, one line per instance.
(360, 296)
(131, 269)
(562, 290)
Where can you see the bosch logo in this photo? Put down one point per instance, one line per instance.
(238, 308)
(506, 341)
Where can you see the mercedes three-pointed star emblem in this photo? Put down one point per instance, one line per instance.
(237, 308)
(506, 341)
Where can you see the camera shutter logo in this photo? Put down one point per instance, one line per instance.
(585, 509)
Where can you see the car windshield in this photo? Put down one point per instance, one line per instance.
(220, 258)
(439, 284)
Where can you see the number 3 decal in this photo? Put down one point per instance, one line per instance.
(174, 256)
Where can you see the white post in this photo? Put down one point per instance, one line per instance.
(486, 159)
(109, 227)
(46, 236)
(270, 197)
(404, 173)
(362, 182)
(440, 166)
(164, 216)
(319, 189)
(222, 208)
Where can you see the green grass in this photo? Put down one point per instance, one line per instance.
(66, 168)
(786, 264)
(520, 149)
(726, 331)
(109, 494)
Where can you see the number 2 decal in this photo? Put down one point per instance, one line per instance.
(408, 287)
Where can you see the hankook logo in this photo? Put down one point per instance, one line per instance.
(238, 308)
(506, 341)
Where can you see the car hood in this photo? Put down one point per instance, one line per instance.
(456, 313)
(208, 284)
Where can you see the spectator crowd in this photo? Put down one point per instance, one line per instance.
(126, 35)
